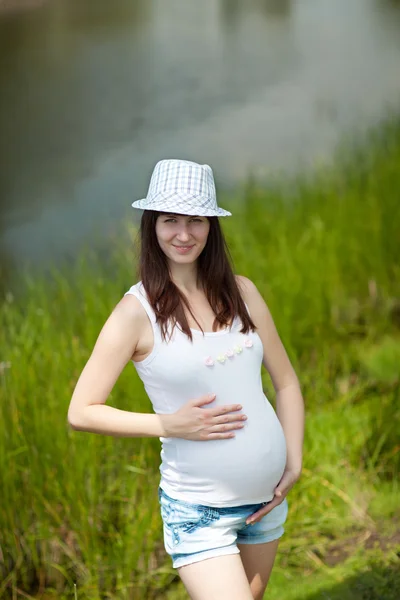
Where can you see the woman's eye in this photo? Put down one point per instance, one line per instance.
(172, 220)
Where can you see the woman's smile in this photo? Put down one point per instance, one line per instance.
(183, 249)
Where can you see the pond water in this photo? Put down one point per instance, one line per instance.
(93, 93)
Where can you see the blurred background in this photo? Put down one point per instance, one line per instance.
(296, 106)
(93, 93)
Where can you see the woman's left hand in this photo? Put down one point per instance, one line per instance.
(286, 483)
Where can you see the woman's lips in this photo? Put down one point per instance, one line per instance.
(183, 249)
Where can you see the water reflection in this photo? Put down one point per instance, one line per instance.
(277, 7)
(106, 15)
(234, 10)
(13, 6)
(389, 10)
(93, 92)
(63, 93)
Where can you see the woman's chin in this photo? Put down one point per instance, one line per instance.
(183, 259)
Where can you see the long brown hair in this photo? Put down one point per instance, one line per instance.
(215, 276)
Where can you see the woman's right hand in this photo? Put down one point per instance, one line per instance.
(193, 422)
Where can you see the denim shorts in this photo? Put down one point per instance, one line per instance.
(194, 532)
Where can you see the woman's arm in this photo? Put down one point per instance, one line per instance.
(289, 400)
(117, 343)
(114, 348)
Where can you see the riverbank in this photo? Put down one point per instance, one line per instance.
(83, 508)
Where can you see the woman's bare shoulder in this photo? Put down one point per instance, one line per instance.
(257, 306)
(247, 288)
(130, 311)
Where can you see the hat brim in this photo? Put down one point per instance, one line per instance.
(176, 209)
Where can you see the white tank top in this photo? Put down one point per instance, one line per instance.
(230, 472)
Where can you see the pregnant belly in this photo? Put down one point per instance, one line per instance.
(240, 470)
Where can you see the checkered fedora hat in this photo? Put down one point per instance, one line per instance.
(182, 187)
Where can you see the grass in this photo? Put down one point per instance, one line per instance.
(82, 509)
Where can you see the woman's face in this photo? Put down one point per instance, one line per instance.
(182, 237)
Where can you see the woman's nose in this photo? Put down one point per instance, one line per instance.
(183, 234)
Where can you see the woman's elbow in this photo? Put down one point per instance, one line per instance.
(75, 420)
(72, 422)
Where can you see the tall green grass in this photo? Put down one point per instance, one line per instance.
(82, 509)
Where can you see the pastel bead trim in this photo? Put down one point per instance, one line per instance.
(209, 361)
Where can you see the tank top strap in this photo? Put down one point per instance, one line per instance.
(139, 292)
(247, 308)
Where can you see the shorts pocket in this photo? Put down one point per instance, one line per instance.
(183, 520)
(190, 526)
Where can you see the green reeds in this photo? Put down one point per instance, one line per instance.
(79, 512)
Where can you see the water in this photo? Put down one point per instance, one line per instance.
(93, 93)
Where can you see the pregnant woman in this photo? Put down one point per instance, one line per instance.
(198, 335)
